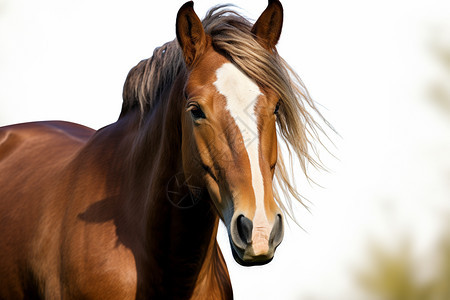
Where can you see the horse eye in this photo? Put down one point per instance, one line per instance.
(275, 112)
(196, 112)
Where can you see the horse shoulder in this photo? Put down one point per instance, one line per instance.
(98, 259)
(98, 268)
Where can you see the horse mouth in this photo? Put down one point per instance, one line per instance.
(248, 261)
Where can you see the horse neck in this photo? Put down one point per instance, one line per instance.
(179, 242)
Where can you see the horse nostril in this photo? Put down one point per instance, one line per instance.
(245, 227)
(276, 236)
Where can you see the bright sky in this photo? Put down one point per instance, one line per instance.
(369, 63)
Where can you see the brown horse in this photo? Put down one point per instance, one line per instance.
(131, 211)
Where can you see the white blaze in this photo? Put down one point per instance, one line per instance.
(242, 94)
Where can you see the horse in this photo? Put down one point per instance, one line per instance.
(131, 211)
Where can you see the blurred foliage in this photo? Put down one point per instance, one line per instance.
(442, 282)
(395, 275)
(440, 90)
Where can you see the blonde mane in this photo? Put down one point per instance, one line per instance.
(232, 37)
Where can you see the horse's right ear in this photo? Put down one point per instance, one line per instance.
(190, 33)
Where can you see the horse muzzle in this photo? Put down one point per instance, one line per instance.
(254, 245)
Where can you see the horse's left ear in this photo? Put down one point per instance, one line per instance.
(190, 33)
(267, 28)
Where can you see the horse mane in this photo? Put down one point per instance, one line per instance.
(147, 79)
(231, 36)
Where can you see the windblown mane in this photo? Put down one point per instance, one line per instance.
(147, 79)
(231, 36)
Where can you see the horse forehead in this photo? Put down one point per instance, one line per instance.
(241, 92)
(204, 72)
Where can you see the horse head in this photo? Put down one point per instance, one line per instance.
(229, 134)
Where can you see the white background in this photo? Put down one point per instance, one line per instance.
(371, 64)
